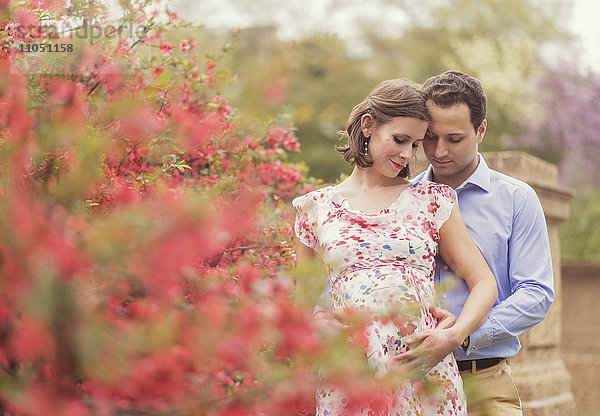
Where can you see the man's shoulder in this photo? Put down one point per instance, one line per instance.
(517, 193)
(502, 182)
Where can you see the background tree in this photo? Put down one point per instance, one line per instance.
(500, 43)
(312, 81)
(565, 132)
(317, 78)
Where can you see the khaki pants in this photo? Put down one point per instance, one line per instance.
(491, 391)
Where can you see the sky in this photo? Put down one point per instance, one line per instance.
(585, 23)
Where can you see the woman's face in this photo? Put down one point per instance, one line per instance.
(393, 144)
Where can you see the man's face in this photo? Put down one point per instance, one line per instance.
(451, 143)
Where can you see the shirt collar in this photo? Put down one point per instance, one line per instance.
(480, 178)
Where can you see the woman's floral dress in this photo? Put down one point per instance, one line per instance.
(385, 262)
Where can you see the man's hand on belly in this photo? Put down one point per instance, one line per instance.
(429, 347)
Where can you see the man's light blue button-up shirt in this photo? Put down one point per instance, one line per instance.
(505, 218)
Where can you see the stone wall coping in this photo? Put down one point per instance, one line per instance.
(581, 267)
(530, 169)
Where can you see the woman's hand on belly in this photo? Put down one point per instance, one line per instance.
(329, 322)
(445, 318)
(428, 348)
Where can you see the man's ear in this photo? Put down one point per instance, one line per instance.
(481, 131)
(367, 124)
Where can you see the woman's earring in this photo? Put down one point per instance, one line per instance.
(366, 149)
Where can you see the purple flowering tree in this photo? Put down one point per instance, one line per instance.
(566, 127)
(566, 131)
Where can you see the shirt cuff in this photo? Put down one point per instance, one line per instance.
(482, 337)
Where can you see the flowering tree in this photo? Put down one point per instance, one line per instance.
(143, 236)
(145, 239)
(565, 130)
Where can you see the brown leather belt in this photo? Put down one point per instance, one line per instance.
(479, 364)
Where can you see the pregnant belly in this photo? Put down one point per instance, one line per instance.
(382, 290)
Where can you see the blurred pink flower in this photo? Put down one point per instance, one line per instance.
(166, 48)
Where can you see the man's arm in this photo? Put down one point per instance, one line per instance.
(530, 277)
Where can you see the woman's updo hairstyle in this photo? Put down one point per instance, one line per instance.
(392, 98)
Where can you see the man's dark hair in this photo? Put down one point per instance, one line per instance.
(455, 87)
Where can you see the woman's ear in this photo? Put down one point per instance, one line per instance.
(367, 124)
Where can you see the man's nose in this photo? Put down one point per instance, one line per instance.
(441, 150)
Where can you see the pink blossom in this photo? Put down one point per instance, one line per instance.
(185, 45)
(166, 48)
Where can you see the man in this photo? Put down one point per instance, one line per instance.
(506, 221)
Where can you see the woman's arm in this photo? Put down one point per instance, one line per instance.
(324, 317)
(460, 252)
(304, 253)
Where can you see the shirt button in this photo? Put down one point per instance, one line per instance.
(445, 296)
(445, 267)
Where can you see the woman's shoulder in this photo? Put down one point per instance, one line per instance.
(433, 189)
(313, 197)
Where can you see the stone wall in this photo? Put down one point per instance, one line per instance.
(580, 340)
(543, 380)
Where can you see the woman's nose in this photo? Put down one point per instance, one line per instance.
(406, 152)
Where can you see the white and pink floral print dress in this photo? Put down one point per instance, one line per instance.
(385, 262)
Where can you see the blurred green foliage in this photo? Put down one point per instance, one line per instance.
(318, 78)
(580, 234)
(313, 81)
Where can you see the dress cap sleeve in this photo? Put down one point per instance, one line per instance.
(305, 225)
(441, 201)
